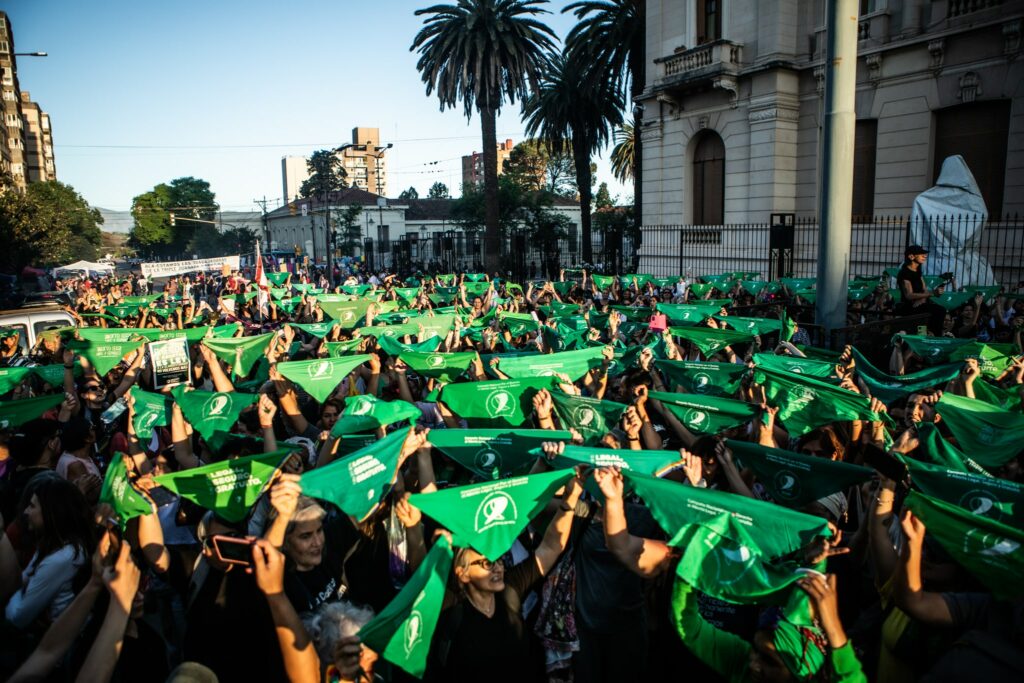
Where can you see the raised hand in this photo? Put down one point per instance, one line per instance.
(408, 514)
(693, 466)
(609, 480)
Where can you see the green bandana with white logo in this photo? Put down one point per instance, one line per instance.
(702, 377)
(937, 451)
(998, 499)
(991, 435)
(494, 453)
(493, 403)
(103, 355)
(711, 341)
(488, 517)
(888, 388)
(151, 410)
(241, 353)
(591, 417)
(364, 413)
(17, 413)
(445, 367)
(403, 630)
(318, 330)
(575, 364)
(118, 493)
(212, 412)
(706, 414)
(320, 377)
(796, 365)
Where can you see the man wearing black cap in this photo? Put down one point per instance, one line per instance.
(916, 296)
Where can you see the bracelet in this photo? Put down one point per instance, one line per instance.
(565, 507)
(632, 438)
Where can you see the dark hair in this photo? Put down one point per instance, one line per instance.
(75, 435)
(66, 518)
(28, 443)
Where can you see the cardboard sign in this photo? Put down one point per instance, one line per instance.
(170, 362)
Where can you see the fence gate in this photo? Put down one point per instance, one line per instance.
(781, 238)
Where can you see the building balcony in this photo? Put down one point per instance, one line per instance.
(713, 65)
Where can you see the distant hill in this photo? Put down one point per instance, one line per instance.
(122, 221)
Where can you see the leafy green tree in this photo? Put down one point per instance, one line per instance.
(46, 226)
(572, 111)
(192, 204)
(411, 193)
(611, 35)
(239, 240)
(326, 175)
(480, 53)
(623, 162)
(152, 232)
(207, 241)
(603, 198)
(438, 191)
(350, 233)
(619, 229)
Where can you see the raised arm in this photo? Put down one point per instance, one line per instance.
(910, 595)
(644, 556)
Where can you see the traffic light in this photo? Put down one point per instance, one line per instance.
(172, 219)
(291, 209)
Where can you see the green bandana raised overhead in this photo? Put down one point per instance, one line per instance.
(151, 410)
(347, 314)
(344, 348)
(711, 341)
(991, 435)
(404, 629)
(212, 412)
(706, 414)
(795, 479)
(228, 488)
(493, 403)
(934, 449)
(445, 367)
(518, 324)
(357, 482)
(17, 413)
(688, 314)
(322, 376)
(716, 531)
(12, 377)
(887, 388)
(366, 412)
(241, 353)
(575, 364)
(759, 326)
(104, 356)
(494, 453)
(118, 493)
(488, 517)
(318, 330)
(993, 359)
(806, 403)
(991, 551)
(393, 347)
(998, 499)
(934, 350)
(796, 365)
(702, 377)
(591, 417)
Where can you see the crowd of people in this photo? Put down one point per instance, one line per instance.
(454, 477)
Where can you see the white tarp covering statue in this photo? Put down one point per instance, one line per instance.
(948, 220)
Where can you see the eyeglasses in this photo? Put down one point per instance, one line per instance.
(485, 564)
(91, 387)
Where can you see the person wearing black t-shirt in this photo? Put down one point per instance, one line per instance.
(916, 296)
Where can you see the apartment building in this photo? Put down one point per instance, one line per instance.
(473, 164)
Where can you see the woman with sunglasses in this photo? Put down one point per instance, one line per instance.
(481, 633)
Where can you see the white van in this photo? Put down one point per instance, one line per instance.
(32, 320)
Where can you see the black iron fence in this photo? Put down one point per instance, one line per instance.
(976, 249)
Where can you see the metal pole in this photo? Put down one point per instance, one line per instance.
(835, 197)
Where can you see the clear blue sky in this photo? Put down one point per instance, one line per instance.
(222, 89)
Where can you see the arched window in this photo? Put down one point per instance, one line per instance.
(709, 180)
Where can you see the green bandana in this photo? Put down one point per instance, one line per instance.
(699, 377)
(493, 403)
(804, 659)
(140, 300)
(357, 482)
(646, 462)
(933, 350)
(118, 492)
(192, 334)
(603, 282)
(320, 377)
(488, 517)
(151, 410)
(757, 326)
(211, 412)
(950, 300)
(997, 396)
(366, 412)
(407, 294)
(436, 325)
(998, 499)
(806, 403)
(710, 341)
(992, 435)
(796, 365)
(12, 377)
(404, 629)
(355, 290)
(518, 324)
(278, 278)
(241, 353)
(393, 331)
(795, 479)
(753, 287)
(446, 367)
(230, 487)
(888, 388)
(17, 413)
(122, 311)
(343, 348)
(6, 332)
(730, 544)
(393, 347)
(494, 453)
(104, 356)
(699, 289)
(992, 359)
(558, 310)
(940, 452)
(476, 277)
(706, 414)
(54, 374)
(795, 284)
(347, 314)
(991, 551)
(575, 364)
(318, 330)
(789, 327)
(591, 417)
(688, 314)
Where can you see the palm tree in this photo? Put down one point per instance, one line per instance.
(573, 112)
(623, 164)
(611, 34)
(480, 52)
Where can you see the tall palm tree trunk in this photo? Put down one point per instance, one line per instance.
(582, 160)
(638, 75)
(492, 230)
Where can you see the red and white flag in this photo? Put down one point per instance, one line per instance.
(262, 284)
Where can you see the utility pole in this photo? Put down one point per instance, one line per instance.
(835, 196)
(262, 203)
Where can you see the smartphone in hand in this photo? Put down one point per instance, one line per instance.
(232, 549)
